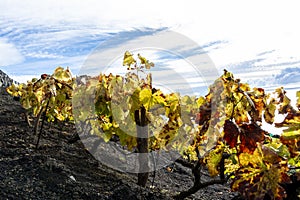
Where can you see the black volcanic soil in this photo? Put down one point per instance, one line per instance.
(59, 169)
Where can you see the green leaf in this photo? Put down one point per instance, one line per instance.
(292, 141)
(213, 160)
(280, 149)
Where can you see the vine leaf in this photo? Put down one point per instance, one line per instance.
(250, 135)
(231, 133)
(61, 74)
(255, 183)
(213, 160)
(284, 101)
(146, 98)
(292, 141)
(241, 109)
(204, 114)
(269, 114)
(14, 90)
(145, 62)
(128, 59)
(280, 149)
(260, 175)
(259, 99)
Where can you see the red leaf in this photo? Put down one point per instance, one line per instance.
(203, 115)
(231, 133)
(250, 135)
(44, 76)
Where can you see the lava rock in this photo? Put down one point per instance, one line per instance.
(5, 80)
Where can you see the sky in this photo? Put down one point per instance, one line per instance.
(256, 40)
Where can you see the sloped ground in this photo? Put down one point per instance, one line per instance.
(59, 169)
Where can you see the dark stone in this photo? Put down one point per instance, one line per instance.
(5, 80)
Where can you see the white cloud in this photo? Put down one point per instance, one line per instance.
(24, 78)
(9, 54)
(36, 68)
(249, 28)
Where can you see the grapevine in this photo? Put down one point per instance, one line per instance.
(51, 95)
(257, 163)
(221, 131)
(125, 107)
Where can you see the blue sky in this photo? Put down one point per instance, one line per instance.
(258, 41)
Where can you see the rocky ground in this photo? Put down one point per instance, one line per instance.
(59, 169)
(5, 80)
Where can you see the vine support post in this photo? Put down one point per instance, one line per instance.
(142, 145)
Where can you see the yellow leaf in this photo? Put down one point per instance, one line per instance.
(106, 136)
(26, 103)
(246, 158)
(269, 113)
(145, 62)
(149, 65)
(128, 59)
(13, 90)
(200, 101)
(146, 98)
(62, 75)
(213, 160)
(142, 59)
(159, 98)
